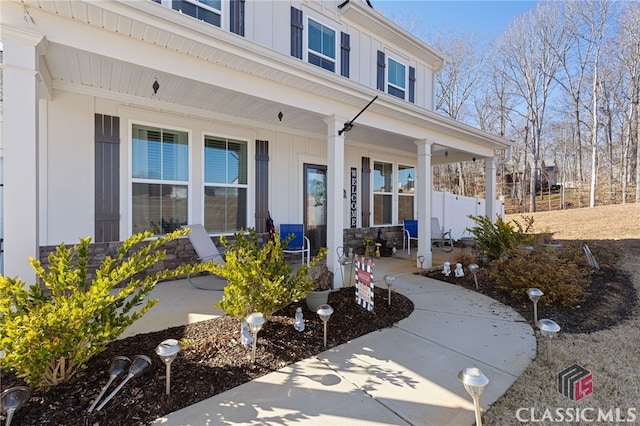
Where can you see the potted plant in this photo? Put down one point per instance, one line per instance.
(323, 279)
(369, 246)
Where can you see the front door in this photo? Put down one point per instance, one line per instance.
(315, 205)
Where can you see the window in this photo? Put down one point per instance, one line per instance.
(321, 44)
(382, 193)
(208, 11)
(396, 79)
(225, 184)
(160, 175)
(406, 190)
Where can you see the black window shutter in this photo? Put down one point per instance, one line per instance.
(107, 178)
(412, 85)
(236, 17)
(296, 32)
(345, 49)
(262, 185)
(381, 67)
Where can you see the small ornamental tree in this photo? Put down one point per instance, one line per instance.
(259, 278)
(49, 330)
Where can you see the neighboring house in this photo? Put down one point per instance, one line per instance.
(121, 116)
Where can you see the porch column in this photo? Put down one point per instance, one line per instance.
(423, 198)
(335, 199)
(20, 154)
(490, 188)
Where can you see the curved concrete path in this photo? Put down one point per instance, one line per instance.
(403, 375)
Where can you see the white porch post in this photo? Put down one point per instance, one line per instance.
(490, 188)
(20, 154)
(423, 200)
(335, 200)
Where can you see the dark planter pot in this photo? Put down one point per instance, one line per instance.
(317, 298)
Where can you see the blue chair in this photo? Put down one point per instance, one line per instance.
(409, 232)
(299, 244)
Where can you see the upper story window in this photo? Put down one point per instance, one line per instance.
(321, 45)
(209, 11)
(393, 76)
(396, 79)
(160, 179)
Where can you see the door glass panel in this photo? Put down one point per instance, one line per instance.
(315, 206)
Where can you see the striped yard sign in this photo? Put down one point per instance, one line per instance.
(364, 282)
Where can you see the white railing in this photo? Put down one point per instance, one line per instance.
(453, 210)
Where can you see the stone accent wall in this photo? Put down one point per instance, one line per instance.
(354, 237)
(180, 252)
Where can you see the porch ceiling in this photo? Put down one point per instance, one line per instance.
(94, 66)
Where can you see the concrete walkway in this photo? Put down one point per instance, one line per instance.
(403, 375)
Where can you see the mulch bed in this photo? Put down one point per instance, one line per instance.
(612, 298)
(212, 362)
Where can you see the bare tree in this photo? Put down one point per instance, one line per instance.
(628, 57)
(526, 50)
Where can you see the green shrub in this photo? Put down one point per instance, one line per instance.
(563, 282)
(606, 254)
(50, 330)
(499, 239)
(259, 278)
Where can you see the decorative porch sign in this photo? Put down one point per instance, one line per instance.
(364, 282)
(353, 198)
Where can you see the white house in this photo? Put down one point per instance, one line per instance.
(127, 115)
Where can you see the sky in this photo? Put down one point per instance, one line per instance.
(483, 17)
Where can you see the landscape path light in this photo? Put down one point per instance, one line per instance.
(139, 365)
(255, 322)
(549, 329)
(12, 399)
(535, 295)
(389, 279)
(324, 312)
(421, 261)
(474, 270)
(119, 365)
(168, 351)
(474, 382)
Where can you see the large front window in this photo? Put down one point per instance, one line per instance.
(322, 46)
(225, 179)
(382, 193)
(406, 190)
(396, 79)
(160, 175)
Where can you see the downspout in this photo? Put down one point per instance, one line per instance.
(501, 162)
(506, 158)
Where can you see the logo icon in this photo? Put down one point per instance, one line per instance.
(575, 382)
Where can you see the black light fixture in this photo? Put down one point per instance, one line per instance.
(155, 86)
(446, 153)
(474, 159)
(280, 115)
(349, 124)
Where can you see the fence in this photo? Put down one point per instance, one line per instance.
(453, 210)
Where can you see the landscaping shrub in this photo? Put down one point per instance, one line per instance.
(49, 330)
(497, 240)
(607, 255)
(259, 278)
(563, 282)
